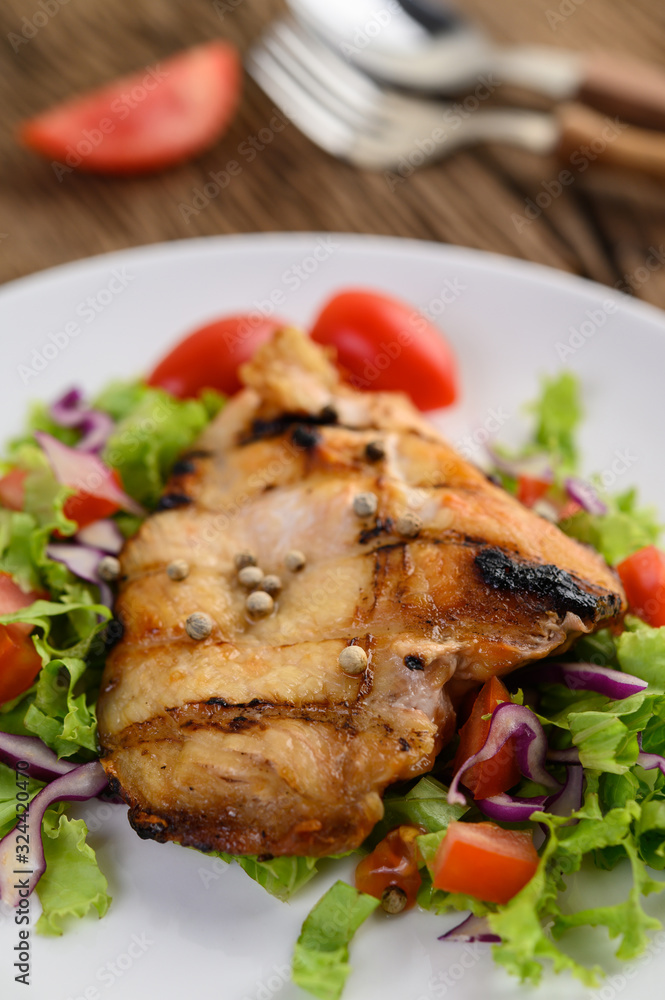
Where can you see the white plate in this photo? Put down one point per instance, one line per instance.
(179, 925)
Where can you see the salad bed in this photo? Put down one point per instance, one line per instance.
(591, 772)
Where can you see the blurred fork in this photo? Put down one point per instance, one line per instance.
(378, 128)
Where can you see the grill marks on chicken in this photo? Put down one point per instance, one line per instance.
(254, 740)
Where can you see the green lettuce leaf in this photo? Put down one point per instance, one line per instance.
(321, 955)
(522, 922)
(558, 413)
(72, 884)
(624, 529)
(152, 429)
(8, 790)
(425, 804)
(281, 877)
(642, 653)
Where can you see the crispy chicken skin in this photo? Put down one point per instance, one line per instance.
(254, 740)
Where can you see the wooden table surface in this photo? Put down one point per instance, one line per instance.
(605, 225)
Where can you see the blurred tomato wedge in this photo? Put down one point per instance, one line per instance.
(643, 577)
(209, 357)
(386, 344)
(12, 489)
(152, 119)
(19, 660)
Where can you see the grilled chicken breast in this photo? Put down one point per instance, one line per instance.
(253, 738)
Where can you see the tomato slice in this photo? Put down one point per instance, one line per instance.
(12, 598)
(643, 579)
(500, 772)
(209, 357)
(85, 508)
(392, 863)
(19, 660)
(388, 345)
(147, 121)
(530, 490)
(485, 861)
(12, 489)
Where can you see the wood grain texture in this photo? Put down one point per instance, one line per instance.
(605, 225)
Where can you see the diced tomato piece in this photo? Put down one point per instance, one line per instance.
(12, 489)
(530, 489)
(147, 121)
(12, 598)
(19, 661)
(386, 344)
(500, 772)
(485, 861)
(209, 357)
(393, 862)
(643, 579)
(85, 508)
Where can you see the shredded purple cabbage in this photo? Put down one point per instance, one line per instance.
(83, 562)
(104, 534)
(516, 722)
(510, 808)
(649, 760)
(79, 784)
(586, 495)
(95, 426)
(43, 764)
(471, 929)
(614, 684)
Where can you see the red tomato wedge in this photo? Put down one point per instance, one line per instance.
(388, 345)
(485, 861)
(530, 490)
(84, 508)
(643, 579)
(144, 122)
(209, 357)
(19, 661)
(12, 489)
(499, 773)
(393, 862)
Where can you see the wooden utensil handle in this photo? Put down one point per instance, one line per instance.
(587, 136)
(633, 90)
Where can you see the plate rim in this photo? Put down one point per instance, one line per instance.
(366, 243)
